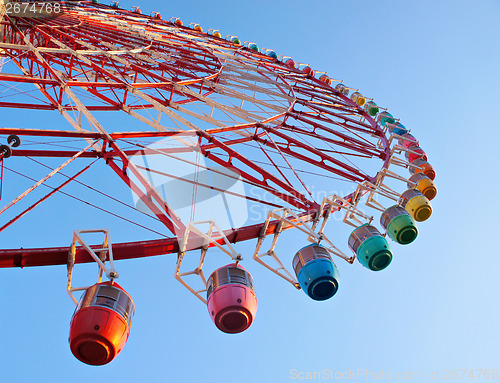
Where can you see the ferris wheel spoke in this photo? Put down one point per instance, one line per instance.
(73, 179)
(273, 163)
(229, 110)
(53, 101)
(269, 88)
(220, 89)
(168, 152)
(338, 108)
(327, 95)
(357, 141)
(231, 83)
(147, 192)
(248, 72)
(87, 203)
(326, 115)
(295, 198)
(113, 72)
(368, 150)
(234, 110)
(211, 187)
(41, 63)
(54, 190)
(40, 87)
(44, 179)
(346, 171)
(277, 147)
(288, 198)
(335, 151)
(14, 91)
(348, 129)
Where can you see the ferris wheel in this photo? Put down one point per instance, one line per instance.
(218, 140)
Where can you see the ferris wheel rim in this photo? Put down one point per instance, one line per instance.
(20, 257)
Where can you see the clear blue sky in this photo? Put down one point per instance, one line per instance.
(435, 64)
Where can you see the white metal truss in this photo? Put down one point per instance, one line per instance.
(353, 216)
(2, 11)
(395, 157)
(241, 114)
(397, 149)
(287, 219)
(214, 236)
(379, 186)
(100, 255)
(372, 190)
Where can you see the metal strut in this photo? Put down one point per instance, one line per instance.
(99, 254)
(213, 236)
(288, 219)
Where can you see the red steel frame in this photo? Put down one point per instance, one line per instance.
(1, 176)
(194, 67)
